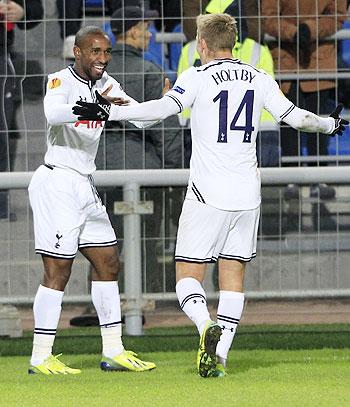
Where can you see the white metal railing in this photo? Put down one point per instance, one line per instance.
(179, 177)
(316, 159)
(132, 180)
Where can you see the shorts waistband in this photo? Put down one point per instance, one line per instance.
(70, 170)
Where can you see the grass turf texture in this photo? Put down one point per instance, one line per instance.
(87, 340)
(256, 378)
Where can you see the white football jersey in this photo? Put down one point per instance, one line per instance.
(226, 98)
(74, 145)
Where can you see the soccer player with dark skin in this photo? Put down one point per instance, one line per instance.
(92, 54)
(79, 217)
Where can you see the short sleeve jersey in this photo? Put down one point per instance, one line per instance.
(74, 145)
(226, 97)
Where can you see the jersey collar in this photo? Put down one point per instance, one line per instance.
(225, 59)
(80, 78)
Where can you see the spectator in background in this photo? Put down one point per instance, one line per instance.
(191, 9)
(301, 30)
(169, 13)
(252, 9)
(70, 13)
(237, 8)
(127, 147)
(24, 15)
(302, 45)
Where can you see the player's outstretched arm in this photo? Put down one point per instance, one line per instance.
(158, 109)
(103, 110)
(304, 120)
(284, 110)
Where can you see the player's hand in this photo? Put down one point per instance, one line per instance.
(339, 123)
(93, 111)
(167, 86)
(12, 11)
(114, 100)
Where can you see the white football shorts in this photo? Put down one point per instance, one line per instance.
(68, 213)
(206, 233)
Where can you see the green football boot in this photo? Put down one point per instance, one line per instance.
(126, 361)
(218, 372)
(206, 356)
(52, 365)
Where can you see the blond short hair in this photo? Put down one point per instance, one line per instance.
(218, 30)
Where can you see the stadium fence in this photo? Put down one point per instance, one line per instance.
(282, 253)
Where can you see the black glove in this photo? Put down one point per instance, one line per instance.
(93, 111)
(339, 123)
(304, 35)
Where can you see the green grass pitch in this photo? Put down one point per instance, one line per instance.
(256, 378)
(268, 366)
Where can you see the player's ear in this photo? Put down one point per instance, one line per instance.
(76, 51)
(199, 46)
(203, 43)
(134, 31)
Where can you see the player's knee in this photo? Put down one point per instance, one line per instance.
(109, 268)
(190, 270)
(56, 279)
(57, 273)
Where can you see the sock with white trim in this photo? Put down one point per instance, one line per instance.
(230, 310)
(47, 310)
(193, 301)
(106, 299)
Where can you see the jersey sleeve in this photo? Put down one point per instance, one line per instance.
(185, 89)
(56, 106)
(275, 101)
(283, 109)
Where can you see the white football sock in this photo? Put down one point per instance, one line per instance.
(229, 314)
(106, 299)
(47, 310)
(193, 301)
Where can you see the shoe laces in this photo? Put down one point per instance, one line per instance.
(134, 359)
(131, 353)
(57, 364)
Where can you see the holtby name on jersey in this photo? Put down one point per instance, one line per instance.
(233, 75)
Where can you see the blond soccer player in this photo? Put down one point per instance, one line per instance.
(220, 214)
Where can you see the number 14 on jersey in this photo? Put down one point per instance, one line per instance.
(247, 102)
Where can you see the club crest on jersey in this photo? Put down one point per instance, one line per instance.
(179, 90)
(54, 83)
